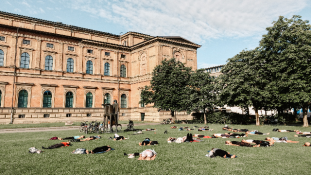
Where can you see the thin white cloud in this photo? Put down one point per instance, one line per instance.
(195, 20)
(25, 3)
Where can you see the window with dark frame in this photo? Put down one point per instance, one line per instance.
(107, 53)
(49, 45)
(26, 42)
(123, 56)
(2, 38)
(46, 115)
(89, 51)
(71, 48)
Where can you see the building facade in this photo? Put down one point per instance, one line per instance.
(51, 71)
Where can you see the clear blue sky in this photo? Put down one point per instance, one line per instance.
(222, 27)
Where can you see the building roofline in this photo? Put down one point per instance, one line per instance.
(215, 66)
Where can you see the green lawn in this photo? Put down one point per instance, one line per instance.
(59, 124)
(172, 158)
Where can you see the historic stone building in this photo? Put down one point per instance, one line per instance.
(51, 71)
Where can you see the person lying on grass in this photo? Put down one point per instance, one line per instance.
(148, 154)
(91, 138)
(256, 133)
(226, 127)
(236, 143)
(173, 127)
(307, 144)
(262, 143)
(303, 135)
(150, 129)
(171, 139)
(239, 130)
(284, 130)
(148, 142)
(219, 152)
(204, 129)
(229, 135)
(67, 138)
(117, 137)
(58, 145)
(282, 139)
(99, 149)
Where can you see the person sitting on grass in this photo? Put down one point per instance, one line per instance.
(256, 133)
(70, 138)
(219, 152)
(148, 154)
(307, 144)
(282, 139)
(91, 138)
(262, 143)
(236, 143)
(99, 149)
(58, 145)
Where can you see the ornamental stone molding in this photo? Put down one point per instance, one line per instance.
(74, 92)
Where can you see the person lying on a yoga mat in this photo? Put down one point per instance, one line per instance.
(148, 142)
(69, 138)
(148, 154)
(236, 143)
(262, 143)
(256, 133)
(282, 139)
(219, 152)
(99, 149)
(58, 145)
(91, 138)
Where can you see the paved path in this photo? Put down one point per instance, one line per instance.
(63, 128)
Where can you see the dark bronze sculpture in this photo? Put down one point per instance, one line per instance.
(111, 116)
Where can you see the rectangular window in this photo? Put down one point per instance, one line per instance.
(71, 48)
(2, 38)
(68, 115)
(21, 116)
(107, 53)
(89, 115)
(122, 56)
(49, 45)
(89, 51)
(26, 42)
(46, 115)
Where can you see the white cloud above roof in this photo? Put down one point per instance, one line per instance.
(194, 20)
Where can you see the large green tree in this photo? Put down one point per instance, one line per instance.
(286, 53)
(200, 93)
(168, 86)
(242, 84)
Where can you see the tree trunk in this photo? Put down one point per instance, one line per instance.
(305, 115)
(257, 117)
(204, 116)
(173, 115)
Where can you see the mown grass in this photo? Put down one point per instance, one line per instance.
(58, 124)
(172, 158)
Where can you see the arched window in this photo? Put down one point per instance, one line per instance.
(107, 99)
(1, 57)
(69, 100)
(89, 67)
(22, 99)
(70, 64)
(47, 99)
(25, 58)
(89, 100)
(107, 69)
(49, 62)
(123, 101)
(123, 71)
